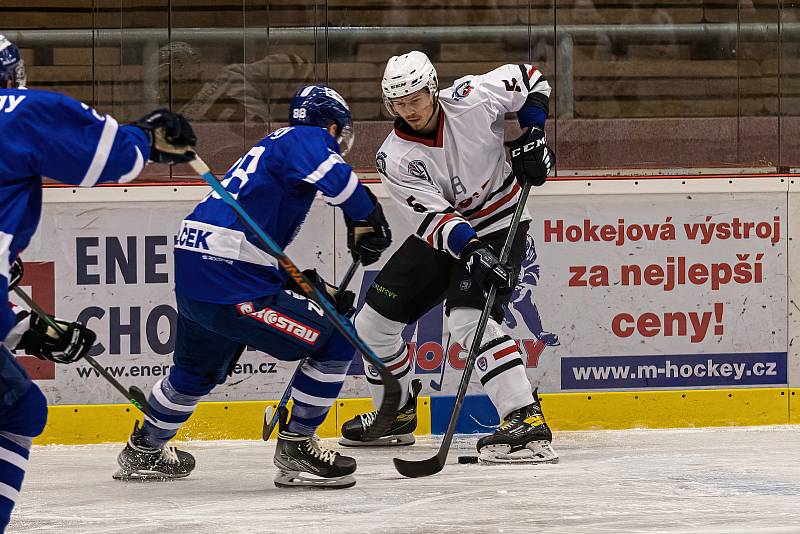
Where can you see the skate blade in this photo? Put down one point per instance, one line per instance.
(296, 479)
(398, 440)
(535, 452)
(144, 475)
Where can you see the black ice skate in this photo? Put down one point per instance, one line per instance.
(400, 433)
(302, 462)
(137, 461)
(523, 438)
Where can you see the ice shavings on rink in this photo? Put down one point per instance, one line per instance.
(690, 480)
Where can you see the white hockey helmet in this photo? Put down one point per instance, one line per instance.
(407, 74)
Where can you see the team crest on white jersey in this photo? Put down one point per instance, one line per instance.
(462, 90)
(417, 169)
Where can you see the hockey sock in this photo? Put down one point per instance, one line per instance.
(502, 373)
(499, 363)
(14, 452)
(384, 336)
(21, 423)
(318, 383)
(167, 410)
(399, 365)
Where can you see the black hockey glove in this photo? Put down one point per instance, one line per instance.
(171, 137)
(15, 273)
(531, 158)
(342, 300)
(366, 240)
(485, 268)
(44, 342)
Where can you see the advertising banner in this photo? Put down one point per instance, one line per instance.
(617, 292)
(638, 291)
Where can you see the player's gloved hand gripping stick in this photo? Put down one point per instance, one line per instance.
(281, 412)
(391, 398)
(433, 465)
(135, 395)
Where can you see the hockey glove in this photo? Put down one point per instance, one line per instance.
(15, 273)
(42, 341)
(531, 158)
(341, 300)
(171, 137)
(366, 240)
(484, 267)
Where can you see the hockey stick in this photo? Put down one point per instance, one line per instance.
(431, 466)
(434, 385)
(135, 395)
(391, 399)
(271, 418)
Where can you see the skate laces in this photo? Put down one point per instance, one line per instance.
(169, 455)
(368, 418)
(326, 455)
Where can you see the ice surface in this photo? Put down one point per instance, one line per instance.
(691, 480)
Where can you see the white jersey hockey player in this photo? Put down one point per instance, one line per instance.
(445, 164)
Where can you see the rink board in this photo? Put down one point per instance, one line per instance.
(102, 423)
(645, 316)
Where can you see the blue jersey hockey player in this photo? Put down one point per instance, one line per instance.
(49, 134)
(231, 294)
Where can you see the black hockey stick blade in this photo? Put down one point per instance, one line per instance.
(281, 413)
(271, 416)
(134, 395)
(420, 468)
(392, 391)
(138, 398)
(269, 422)
(433, 465)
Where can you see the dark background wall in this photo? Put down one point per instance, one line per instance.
(637, 83)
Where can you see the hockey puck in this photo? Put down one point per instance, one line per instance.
(468, 459)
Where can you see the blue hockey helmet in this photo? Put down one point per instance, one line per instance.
(317, 105)
(12, 68)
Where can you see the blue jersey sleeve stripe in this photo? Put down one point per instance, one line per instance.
(5, 256)
(323, 169)
(138, 165)
(7, 317)
(101, 153)
(345, 193)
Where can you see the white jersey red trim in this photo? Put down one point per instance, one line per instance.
(460, 173)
